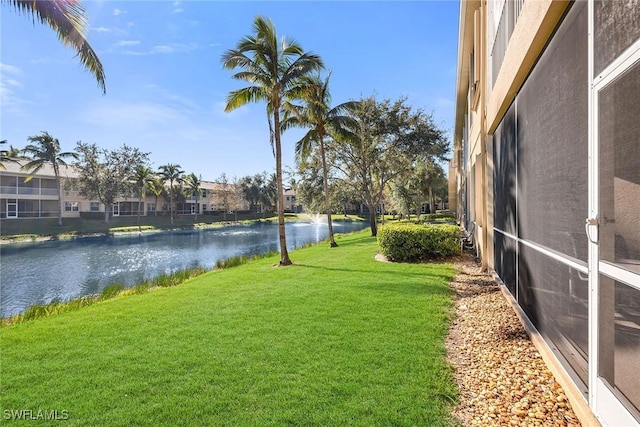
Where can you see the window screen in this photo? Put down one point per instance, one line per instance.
(616, 28)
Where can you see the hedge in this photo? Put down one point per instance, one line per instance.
(414, 242)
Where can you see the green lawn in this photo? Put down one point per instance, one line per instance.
(337, 339)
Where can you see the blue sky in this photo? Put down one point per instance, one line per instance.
(166, 87)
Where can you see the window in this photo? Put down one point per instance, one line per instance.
(71, 206)
(151, 207)
(94, 207)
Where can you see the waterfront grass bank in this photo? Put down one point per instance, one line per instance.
(336, 339)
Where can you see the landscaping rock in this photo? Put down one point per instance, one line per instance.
(502, 379)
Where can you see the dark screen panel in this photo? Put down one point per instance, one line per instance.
(552, 142)
(619, 132)
(555, 298)
(504, 179)
(617, 26)
(505, 260)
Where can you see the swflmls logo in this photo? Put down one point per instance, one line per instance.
(40, 414)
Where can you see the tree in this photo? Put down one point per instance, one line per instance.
(45, 149)
(68, 19)
(224, 194)
(194, 185)
(172, 173)
(324, 122)
(251, 187)
(268, 193)
(12, 155)
(389, 137)
(156, 186)
(105, 175)
(273, 66)
(142, 176)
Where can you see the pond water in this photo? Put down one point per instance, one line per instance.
(36, 273)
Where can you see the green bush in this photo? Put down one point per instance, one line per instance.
(439, 217)
(410, 242)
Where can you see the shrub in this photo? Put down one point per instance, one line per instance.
(410, 242)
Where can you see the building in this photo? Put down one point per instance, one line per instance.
(546, 177)
(290, 203)
(38, 197)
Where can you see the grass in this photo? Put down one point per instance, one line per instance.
(336, 339)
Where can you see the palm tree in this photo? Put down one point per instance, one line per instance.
(156, 186)
(272, 66)
(194, 184)
(172, 173)
(46, 150)
(142, 176)
(68, 19)
(12, 155)
(323, 121)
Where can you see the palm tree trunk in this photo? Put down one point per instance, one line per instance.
(139, 203)
(59, 199)
(284, 254)
(171, 202)
(325, 182)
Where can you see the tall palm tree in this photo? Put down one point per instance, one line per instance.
(156, 186)
(272, 66)
(46, 150)
(194, 184)
(142, 175)
(172, 173)
(68, 19)
(324, 122)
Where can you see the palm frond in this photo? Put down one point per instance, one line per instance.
(244, 96)
(68, 19)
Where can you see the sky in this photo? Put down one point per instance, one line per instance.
(167, 89)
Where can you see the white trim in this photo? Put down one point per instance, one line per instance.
(548, 252)
(616, 413)
(619, 66)
(620, 274)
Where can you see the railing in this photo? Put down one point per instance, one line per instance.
(508, 19)
(34, 191)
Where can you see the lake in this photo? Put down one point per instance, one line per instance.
(42, 272)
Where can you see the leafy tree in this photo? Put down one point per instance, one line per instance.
(156, 186)
(389, 137)
(68, 19)
(323, 122)
(172, 173)
(268, 192)
(45, 149)
(273, 67)
(224, 194)
(194, 186)
(105, 175)
(142, 176)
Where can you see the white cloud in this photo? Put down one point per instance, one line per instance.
(10, 69)
(174, 48)
(10, 85)
(127, 43)
(118, 12)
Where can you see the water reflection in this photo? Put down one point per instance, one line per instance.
(33, 273)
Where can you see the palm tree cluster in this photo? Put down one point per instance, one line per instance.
(281, 73)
